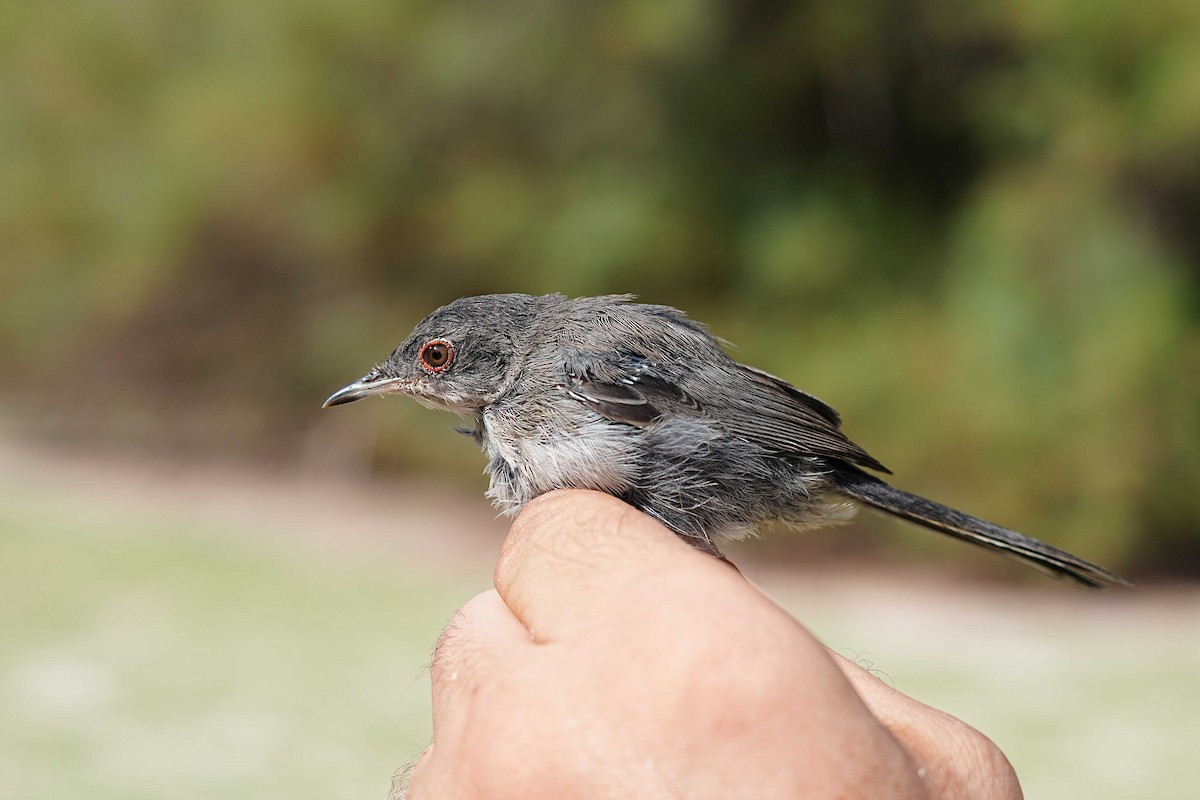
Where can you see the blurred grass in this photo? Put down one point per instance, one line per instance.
(149, 658)
(144, 654)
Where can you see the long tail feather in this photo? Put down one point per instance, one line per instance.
(943, 519)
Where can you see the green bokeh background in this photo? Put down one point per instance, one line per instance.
(972, 228)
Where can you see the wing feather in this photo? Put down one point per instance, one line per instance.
(749, 404)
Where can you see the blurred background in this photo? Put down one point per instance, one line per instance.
(972, 228)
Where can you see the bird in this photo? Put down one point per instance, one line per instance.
(642, 402)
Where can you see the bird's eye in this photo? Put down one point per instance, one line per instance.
(437, 355)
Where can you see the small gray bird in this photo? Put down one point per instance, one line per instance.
(641, 402)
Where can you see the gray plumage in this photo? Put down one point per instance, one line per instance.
(641, 402)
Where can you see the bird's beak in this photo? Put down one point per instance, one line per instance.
(367, 386)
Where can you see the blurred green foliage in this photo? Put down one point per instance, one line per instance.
(974, 228)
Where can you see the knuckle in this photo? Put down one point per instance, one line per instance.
(445, 656)
(979, 760)
(452, 651)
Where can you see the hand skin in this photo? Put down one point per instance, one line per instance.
(615, 661)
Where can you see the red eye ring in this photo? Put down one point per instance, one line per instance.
(437, 355)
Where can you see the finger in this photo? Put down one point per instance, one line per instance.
(955, 760)
(480, 646)
(480, 635)
(572, 556)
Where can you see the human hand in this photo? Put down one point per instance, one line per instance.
(613, 660)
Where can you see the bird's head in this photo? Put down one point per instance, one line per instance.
(460, 358)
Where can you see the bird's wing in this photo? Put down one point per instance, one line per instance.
(750, 404)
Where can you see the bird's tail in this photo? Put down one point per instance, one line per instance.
(943, 519)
